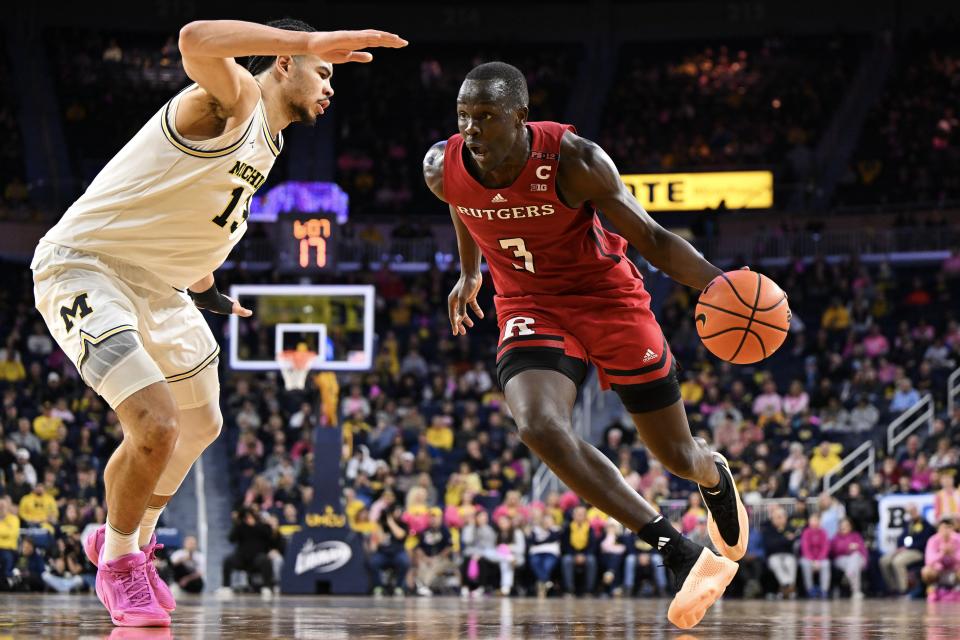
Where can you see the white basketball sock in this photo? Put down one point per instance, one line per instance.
(118, 544)
(148, 523)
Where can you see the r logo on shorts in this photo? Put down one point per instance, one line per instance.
(78, 308)
(520, 324)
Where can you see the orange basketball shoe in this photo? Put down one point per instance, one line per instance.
(701, 578)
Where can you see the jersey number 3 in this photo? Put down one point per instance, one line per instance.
(235, 195)
(520, 251)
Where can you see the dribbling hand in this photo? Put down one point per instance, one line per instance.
(339, 47)
(464, 294)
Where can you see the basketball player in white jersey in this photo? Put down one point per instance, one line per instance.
(120, 277)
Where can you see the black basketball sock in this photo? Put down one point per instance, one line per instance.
(660, 534)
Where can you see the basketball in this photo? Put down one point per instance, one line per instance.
(742, 316)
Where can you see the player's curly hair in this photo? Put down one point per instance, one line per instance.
(258, 64)
(515, 83)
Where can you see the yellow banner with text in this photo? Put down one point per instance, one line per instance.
(707, 190)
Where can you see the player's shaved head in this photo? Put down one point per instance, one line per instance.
(495, 82)
(258, 64)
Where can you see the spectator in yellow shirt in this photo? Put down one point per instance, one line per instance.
(11, 369)
(9, 536)
(691, 391)
(46, 425)
(39, 509)
(352, 505)
(836, 317)
(439, 434)
(355, 431)
(362, 523)
(825, 459)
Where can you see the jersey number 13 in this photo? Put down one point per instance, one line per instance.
(235, 195)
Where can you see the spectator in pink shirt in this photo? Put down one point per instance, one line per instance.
(875, 344)
(815, 556)
(946, 501)
(941, 560)
(768, 400)
(849, 555)
(796, 401)
(513, 508)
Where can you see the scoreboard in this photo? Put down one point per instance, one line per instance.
(305, 242)
(304, 224)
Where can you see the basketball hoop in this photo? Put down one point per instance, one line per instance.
(294, 366)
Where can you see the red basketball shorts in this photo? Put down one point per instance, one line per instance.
(564, 333)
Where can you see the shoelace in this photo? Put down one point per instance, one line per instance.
(675, 562)
(136, 587)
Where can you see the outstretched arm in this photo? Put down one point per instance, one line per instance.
(465, 292)
(209, 47)
(587, 174)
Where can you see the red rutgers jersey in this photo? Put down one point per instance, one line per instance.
(566, 292)
(532, 241)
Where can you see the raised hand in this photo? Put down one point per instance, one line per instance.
(339, 47)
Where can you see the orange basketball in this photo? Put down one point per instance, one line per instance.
(742, 316)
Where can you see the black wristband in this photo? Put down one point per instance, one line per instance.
(212, 300)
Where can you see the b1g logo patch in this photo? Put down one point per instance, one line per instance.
(77, 309)
(518, 326)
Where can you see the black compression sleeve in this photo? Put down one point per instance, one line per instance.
(212, 300)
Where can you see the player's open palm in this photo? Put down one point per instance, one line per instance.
(339, 47)
(463, 295)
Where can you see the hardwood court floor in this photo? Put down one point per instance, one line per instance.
(29, 616)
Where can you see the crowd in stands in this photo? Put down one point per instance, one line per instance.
(737, 103)
(14, 192)
(909, 150)
(108, 86)
(438, 482)
(674, 107)
(381, 142)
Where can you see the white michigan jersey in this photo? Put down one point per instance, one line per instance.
(172, 206)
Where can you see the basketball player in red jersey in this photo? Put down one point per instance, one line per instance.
(524, 195)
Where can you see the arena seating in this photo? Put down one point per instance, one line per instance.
(909, 150)
(14, 194)
(724, 104)
(385, 127)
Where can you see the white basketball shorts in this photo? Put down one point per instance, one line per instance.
(122, 327)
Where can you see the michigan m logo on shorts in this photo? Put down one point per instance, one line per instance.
(77, 309)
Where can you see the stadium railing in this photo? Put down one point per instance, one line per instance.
(921, 413)
(953, 391)
(852, 466)
(862, 242)
(544, 480)
(758, 510)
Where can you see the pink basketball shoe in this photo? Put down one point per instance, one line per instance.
(160, 588)
(94, 543)
(124, 589)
